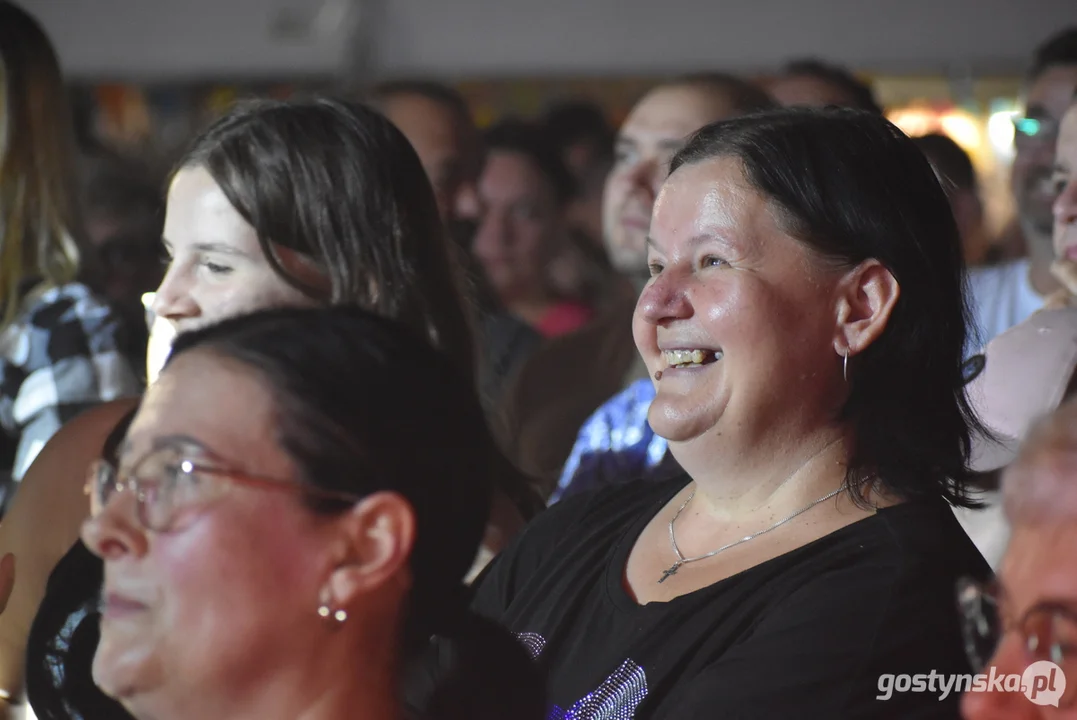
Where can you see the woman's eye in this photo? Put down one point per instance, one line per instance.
(654, 268)
(216, 269)
(712, 261)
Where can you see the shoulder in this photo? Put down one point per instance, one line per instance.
(79, 442)
(557, 533)
(901, 566)
(70, 316)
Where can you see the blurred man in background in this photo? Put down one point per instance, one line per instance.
(814, 83)
(436, 121)
(572, 376)
(1007, 294)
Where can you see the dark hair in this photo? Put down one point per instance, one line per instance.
(859, 94)
(1059, 49)
(950, 161)
(429, 89)
(746, 97)
(531, 141)
(337, 182)
(851, 186)
(570, 122)
(364, 404)
(336, 376)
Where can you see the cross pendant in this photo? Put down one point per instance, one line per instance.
(672, 571)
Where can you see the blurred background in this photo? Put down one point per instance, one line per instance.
(147, 73)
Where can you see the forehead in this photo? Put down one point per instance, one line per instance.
(198, 211)
(1053, 89)
(1040, 562)
(508, 174)
(219, 402)
(705, 197)
(674, 112)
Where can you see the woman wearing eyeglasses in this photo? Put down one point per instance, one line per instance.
(306, 203)
(273, 546)
(1030, 614)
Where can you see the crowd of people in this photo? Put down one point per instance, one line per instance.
(734, 410)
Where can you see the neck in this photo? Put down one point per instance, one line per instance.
(767, 478)
(1041, 255)
(331, 686)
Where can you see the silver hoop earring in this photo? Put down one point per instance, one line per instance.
(326, 612)
(845, 367)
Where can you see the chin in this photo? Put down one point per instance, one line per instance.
(123, 671)
(679, 421)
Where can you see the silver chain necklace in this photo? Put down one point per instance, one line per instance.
(682, 560)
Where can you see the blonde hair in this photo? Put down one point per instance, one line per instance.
(38, 216)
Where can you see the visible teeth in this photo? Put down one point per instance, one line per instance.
(676, 358)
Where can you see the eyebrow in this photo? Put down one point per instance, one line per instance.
(223, 248)
(693, 242)
(164, 441)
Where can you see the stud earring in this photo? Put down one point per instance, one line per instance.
(326, 612)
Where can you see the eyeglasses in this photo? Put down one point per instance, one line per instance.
(1048, 631)
(169, 481)
(1035, 131)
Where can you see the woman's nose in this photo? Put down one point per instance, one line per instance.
(113, 531)
(665, 298)
(173, 299)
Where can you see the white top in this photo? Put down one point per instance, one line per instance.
(987, 527)
(1002, 296)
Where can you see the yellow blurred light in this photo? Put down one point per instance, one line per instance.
(962, 129)
(914, 121)
(1000, 131)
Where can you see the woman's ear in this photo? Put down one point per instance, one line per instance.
(866, 297)
(375, 542)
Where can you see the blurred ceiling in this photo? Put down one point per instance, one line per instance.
(170, 39)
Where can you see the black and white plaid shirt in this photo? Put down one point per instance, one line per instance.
(64, 353)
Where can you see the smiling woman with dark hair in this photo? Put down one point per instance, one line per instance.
(804, 324)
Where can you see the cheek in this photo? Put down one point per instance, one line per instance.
(232, 601)
(245, 294)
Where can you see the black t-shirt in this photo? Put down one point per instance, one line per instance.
(806, 634)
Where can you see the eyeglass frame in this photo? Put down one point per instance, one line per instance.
(101, 472)
(1046, 134)
(989, 592)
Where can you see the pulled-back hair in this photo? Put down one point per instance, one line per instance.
(363, 405)
(338, 183)
(851, 186)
